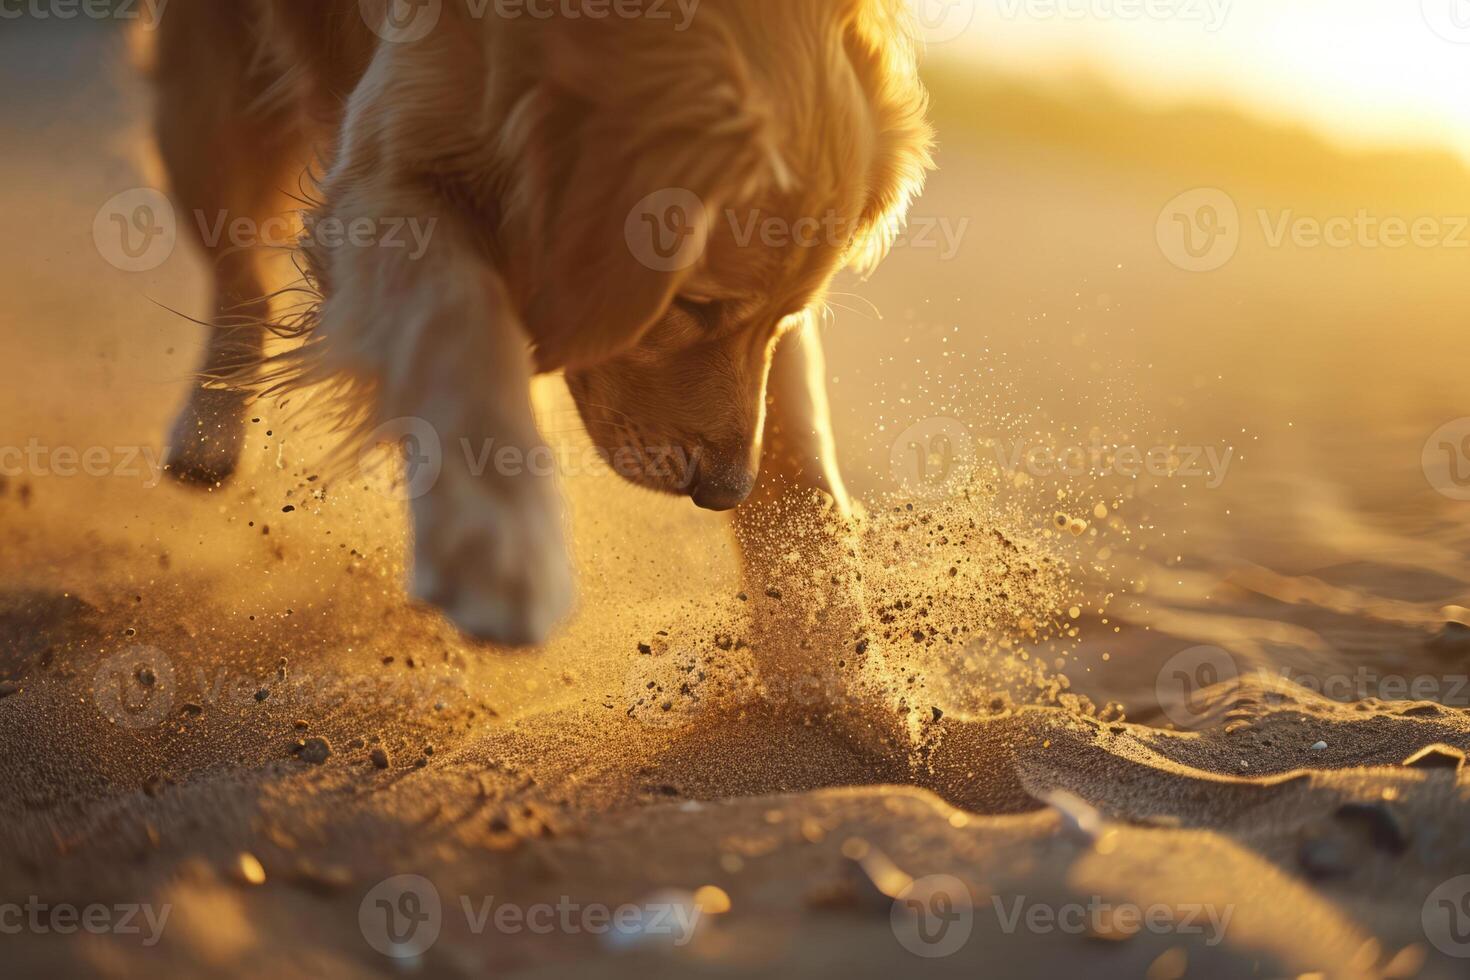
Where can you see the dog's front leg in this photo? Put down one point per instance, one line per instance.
(799, 510)
(800, 553)
(447, 363)
(489, 542)
(795, 532)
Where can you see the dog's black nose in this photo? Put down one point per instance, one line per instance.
(721, 487)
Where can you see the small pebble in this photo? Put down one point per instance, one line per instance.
(379, 757)
(316, 750)
(1319, 746)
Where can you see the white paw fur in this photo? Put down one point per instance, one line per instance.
(491, 553)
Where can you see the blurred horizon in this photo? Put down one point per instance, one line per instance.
(1365, 74)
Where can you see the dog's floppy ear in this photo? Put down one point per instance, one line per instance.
(638, 139)
(881, 46)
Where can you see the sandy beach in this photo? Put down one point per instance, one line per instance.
(1204, 719)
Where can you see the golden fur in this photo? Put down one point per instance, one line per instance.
(527, 143)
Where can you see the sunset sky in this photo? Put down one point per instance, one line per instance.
(1366, 72)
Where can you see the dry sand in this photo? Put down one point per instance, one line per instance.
(221, 706)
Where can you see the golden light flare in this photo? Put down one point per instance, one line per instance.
(1366, 74)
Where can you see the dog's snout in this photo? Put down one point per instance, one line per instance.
(721, 486)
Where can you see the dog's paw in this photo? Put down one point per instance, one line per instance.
(208, 437)
(492, 555)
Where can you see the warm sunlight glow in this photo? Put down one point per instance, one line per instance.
(1366, 72)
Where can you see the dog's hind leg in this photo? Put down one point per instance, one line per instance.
(226, 147)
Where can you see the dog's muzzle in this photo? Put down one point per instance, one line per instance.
(719, 486)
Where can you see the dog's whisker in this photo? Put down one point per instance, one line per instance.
(873, 312)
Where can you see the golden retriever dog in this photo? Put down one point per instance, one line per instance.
(651, 196)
